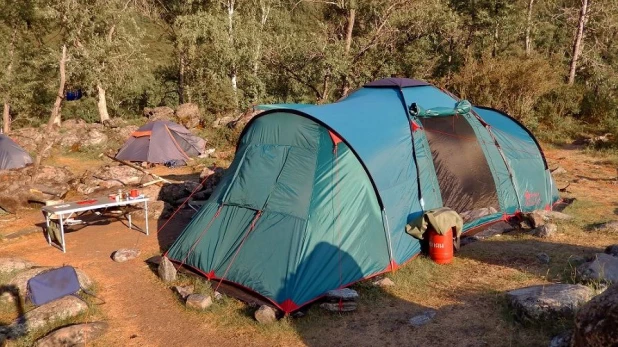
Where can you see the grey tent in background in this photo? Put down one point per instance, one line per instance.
(160, 142)
(11, 155)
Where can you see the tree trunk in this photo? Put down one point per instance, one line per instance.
(181, 79)
(345, 87)
(102, 105)
(494, 50)
(577, 43)
(6, 116)
(55, 116)
(529, 28)
(230, 18)
(54, 119)
(6, 119)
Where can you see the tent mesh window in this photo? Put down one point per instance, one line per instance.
(465, 179)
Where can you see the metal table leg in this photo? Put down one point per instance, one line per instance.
(146, 214)
(62, 233)
(129, 218)
(47, 228)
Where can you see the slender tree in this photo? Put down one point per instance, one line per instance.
(578, 40)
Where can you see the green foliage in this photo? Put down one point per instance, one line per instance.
(227, 55)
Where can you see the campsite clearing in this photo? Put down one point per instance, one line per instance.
(467, 295)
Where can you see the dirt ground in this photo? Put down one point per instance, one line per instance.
(467, 295)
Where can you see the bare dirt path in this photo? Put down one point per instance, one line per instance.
(140, 309)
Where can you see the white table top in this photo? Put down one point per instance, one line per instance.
(91, 204)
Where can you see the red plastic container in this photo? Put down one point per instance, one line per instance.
(441, 246)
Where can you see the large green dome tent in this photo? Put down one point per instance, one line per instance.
(317, 197)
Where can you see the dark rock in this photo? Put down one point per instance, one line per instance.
(604, 268)
(203, 195)
(192, 186)
(57, 310)
(466, 240)
(344, 294)
(184, 291)
(422, 318)
(14, 264)
(198, 301)
(548, 302)
(171, 193)
(265, 315)
(543, 258)
(536, 219)
(167, 271)
(563, 339)
(596, 323)
(611, 250)
(74, 335)
(125, 254)
(344, 306)
(525, 224)
(545, 231)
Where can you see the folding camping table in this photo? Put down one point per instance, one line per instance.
(65, 211)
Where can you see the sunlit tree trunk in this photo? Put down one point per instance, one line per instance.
(345, 86)
(529, 28)
(6, 116)
(55, 116)
(577, 43)
(54, 119)
(230, 20)
(181, 78)
(102, 105)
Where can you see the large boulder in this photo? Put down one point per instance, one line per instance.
(167, 271)
(159, 113)
(74, 335)
(20, 280)
(17, 187)
(548, 302)
(604, 268)
(596, 323)
(608, 226)
(94, 137)
(54, 311)
(28, 138)
(14, 264)
(188, 115)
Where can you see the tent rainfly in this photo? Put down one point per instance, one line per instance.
(318, 197)
(12, 156)
(160, 142)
